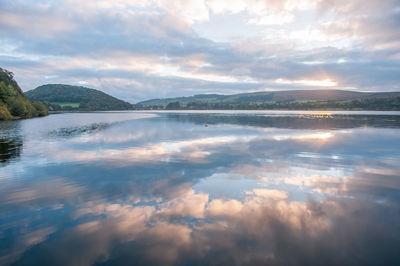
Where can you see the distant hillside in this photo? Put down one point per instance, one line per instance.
(297, 99)
(13, 102)
(66, 97)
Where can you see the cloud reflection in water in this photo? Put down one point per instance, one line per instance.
(231, 194)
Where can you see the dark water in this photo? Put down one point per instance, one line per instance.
(256, 188)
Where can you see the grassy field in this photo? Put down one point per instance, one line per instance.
(62, 104)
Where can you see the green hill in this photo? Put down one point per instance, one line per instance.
(67, 97)
(13, 102)
(295, 100)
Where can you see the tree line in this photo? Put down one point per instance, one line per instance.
(379, 104)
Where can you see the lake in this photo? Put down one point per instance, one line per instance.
(199, 188)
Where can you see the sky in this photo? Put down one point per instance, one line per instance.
(142, 49)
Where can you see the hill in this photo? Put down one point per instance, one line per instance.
(13, 102)
(67, 97)
(294, 100)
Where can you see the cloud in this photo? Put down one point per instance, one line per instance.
(137, 50)
(55, 189)
(272, 194)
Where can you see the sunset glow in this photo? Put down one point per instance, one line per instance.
(138, 50)
(318, 83)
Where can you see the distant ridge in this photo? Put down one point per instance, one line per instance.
(67, 97)
(295, 99)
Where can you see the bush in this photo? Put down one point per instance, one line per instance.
(18, 107)
(32, 112)
(4, 113)
(40, 108)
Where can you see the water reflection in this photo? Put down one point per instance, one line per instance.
(78, 130)
(166, 190)
(291, 120)
(9, 149)
(10, 142)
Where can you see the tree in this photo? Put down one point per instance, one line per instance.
(13, 102)
(4, 113)
(40, 108)
(173, 106)
(17, 107)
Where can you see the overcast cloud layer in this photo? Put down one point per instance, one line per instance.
(141, 49)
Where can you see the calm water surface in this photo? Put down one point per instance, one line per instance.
(198, 188)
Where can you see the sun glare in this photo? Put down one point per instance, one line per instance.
(313, 136)
(317, 83)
